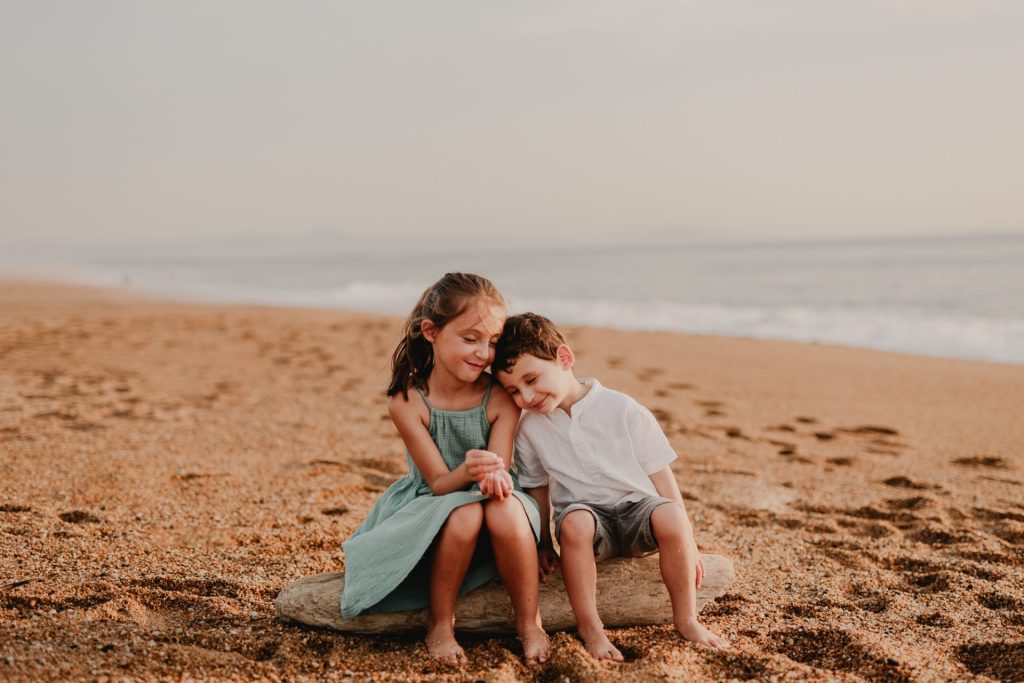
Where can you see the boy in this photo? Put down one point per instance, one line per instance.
(604, 462)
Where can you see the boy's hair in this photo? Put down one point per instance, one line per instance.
(441, 302)
(526, 333)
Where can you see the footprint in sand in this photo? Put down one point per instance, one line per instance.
(785, 447)
(904, 483)
(1001, 660)
(935, 619)
(729, 665)
(835, 650)
(647, 374)
(990, 461)
(391, 466)
(79, 517)
(868, 599)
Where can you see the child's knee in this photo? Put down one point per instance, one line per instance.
(577, 527)
(505, 516)
(465, 521)
(668, 523)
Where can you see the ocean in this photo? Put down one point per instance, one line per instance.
(951, 297)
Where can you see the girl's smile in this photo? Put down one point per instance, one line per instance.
(465, 346)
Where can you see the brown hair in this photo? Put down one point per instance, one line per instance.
(442, 301)
(526, 333)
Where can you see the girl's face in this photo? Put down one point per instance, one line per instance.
(465, 346)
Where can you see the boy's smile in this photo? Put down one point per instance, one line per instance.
(540, 386)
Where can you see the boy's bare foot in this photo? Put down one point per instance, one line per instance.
(442, 646)
(597, 644)
(536, 645)
(695, 632)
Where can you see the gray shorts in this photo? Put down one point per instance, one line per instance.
(620, 529)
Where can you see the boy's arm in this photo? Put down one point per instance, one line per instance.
(546, 555)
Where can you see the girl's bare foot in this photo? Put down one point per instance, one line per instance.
(442, 646)
(597, 644)
(536, 645)
(695, 632)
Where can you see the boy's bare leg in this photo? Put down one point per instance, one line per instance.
(515, 551)
(452, 555)
(678, 559)
(579, 572)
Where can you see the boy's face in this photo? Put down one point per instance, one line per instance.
(539, 385)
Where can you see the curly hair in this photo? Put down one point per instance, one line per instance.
(526, 333)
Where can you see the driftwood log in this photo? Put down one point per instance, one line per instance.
(629, 593)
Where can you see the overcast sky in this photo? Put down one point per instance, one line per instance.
(487, 124)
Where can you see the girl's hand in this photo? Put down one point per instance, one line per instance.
(479, 463)
(497, 485)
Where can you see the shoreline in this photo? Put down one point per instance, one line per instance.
(166, 468)
(170, 298)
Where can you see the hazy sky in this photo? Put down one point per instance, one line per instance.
(489, 124)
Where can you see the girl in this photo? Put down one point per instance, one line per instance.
(458, 518)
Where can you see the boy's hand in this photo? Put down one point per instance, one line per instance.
(480, 462)
(547, 561)
(496, 485)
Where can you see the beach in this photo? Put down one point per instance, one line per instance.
(166, 468)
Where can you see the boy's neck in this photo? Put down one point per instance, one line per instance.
(577, 391)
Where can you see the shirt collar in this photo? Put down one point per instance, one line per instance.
(594, 388)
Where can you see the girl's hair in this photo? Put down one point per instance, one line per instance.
(444, 300)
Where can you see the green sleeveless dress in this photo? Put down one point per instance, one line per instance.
(387, 559)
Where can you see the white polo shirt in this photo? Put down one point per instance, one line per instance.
(603, 454)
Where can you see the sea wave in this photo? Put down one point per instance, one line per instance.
(901, 329)
(908, 331)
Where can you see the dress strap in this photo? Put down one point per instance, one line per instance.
(424, 396)
(487, 394)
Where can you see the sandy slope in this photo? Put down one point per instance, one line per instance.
(165, 469)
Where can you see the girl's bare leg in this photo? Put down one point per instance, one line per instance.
(678, 561)
(579, 571)
(452, 555)
(515, 551)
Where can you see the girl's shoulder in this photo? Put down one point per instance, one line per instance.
(400, 405)
(499, 400)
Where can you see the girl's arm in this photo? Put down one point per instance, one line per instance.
(406, 415)
(503, 414)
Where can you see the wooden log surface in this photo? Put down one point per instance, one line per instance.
(629, 593)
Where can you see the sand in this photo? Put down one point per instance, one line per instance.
(167, 468)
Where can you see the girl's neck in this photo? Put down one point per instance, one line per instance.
(445, 387)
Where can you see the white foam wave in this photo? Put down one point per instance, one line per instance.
(905, 330)
(917, 332)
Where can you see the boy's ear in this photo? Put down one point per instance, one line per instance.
(565, 357)
(429, 330)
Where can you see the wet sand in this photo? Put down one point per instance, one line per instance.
(166, 468)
